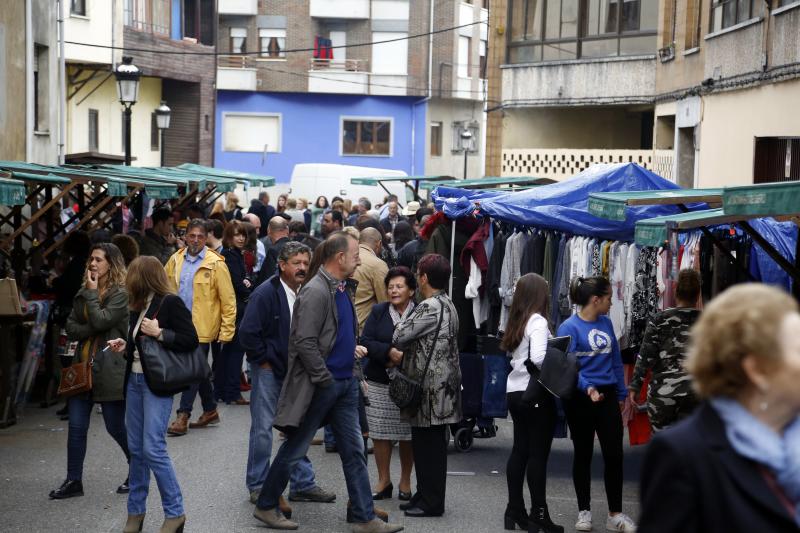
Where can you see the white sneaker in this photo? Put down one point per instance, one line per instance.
(620, 522)
(584, 522)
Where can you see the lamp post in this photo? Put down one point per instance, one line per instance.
(127, 75)
(466, 142)
(162, 121)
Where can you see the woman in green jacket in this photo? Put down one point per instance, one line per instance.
(99, 313)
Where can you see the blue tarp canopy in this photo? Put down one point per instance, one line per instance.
(563, 206)
(457, 202)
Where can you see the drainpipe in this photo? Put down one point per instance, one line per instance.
(62, 87)
(422, 100)
(29, 111)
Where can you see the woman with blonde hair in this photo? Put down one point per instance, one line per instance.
(156, 312)
(734, 464)
(99, 313)
(232, 209)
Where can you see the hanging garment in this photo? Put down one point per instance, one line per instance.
(644, 303)
(510, 273)
(562, 302)
(493, 282)
(618, 255)
(480, 303)
(322, 48)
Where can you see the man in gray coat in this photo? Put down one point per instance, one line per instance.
(320, 388)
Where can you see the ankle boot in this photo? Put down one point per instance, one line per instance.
(514, 516)
(134, 523)
(540, 519)
(173, 525)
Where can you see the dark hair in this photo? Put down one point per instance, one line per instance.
(100, 235)
(421, 212)
(365, 221)
(365, 203)
(197, 208)
(127, 245)
(531, 295)
(403, 234)
(160, 215)
(316, 259)
(338, 242)
(291, 249)
(234, 227)
(316, 204)
(146, 274)
(688, 287)
(197, 223)
(77, 244)
(437, 268)
(581, 290)
(337, 198)
(220, 217)
(295, 226)
(401, 272)
(251, 235)
(336, 216)
(215, 227)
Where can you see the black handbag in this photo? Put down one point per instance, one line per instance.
(559, 373)
(406, 393)
(534, 392)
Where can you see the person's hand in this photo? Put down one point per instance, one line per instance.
(150, 327)
(180, 243)
(247, 283)
(117, 345)
(361, 351)
(171, 239)
(594, 394)
(395, 356)
(632, 395)
(91, 280)
(622, 406)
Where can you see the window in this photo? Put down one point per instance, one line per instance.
(78, 7)
(436, 139)
(545, 30)
(273, 43)
(199, 20)
(482, 65)
(41, 88)
(777, 159)
(238, 40)
(464, 56)
(727, 13)
(154, 138)
(251, 132)
(366, 137)
(94, 135)
(151, 16)
(693, 12)
(389, 58)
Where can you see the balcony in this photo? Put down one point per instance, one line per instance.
(236, 73)
(340, 9)
(238, 7)
(344, 76)
(560, 164)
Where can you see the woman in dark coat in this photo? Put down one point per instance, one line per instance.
(99, 313)
(733, 465)
(157, 313)
(227, 380)
(383, 416)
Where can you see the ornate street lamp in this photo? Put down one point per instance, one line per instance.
(128, 76)
(163, 113)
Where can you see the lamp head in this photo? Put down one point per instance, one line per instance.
(128, 76)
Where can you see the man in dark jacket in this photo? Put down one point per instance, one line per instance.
(277, 237)
(159, 241)
(263, 211)
(264, 335)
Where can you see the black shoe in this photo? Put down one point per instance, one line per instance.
(412, 502)
(63, 411)
(403, 496)
(539, 519)
(125, 487)
(416, 512)
(68, 489)
(515, 517)
(331, 449)
(385, 494)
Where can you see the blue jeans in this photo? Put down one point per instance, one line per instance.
(80, 412)
(147, 416)
(338, 403)
(204, 388)
(263, 402)
(330, 440)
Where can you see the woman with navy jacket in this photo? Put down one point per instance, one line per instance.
(155, 312)
(596, 405)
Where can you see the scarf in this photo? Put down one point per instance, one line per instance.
(397, 317)
(752, 439)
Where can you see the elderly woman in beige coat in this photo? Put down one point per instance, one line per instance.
(431, 331)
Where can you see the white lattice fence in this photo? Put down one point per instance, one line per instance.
(560, 164)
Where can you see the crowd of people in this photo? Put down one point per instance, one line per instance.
(330, 303)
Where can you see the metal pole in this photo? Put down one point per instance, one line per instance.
(127, 135)
(452, 253)
(161, 131)
(465, 162)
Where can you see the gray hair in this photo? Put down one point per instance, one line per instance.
(292, 248)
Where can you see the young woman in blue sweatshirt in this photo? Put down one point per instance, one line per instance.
(596, 405)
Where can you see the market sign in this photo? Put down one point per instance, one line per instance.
(12, 192)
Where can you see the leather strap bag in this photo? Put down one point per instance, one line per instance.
(77, 378)
(169, 370)
(559, 373)
(534, 392)
(406, 393)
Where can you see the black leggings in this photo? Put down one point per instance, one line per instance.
(585, 418)
(533, 437)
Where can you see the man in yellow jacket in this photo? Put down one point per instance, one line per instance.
(202, 280)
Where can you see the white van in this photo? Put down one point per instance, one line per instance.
(310, 180)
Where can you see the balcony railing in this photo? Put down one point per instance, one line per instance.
(347, 65)
(237, 73)
(236, 62)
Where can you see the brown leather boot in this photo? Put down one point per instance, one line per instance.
(180, 426)
(208, 418)
(134, 523)
(379, 513)
(173, 525)
(284, 507)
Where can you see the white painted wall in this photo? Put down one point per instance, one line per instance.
(102, 25)
(447, 111)
(389, 58)
(390, 9)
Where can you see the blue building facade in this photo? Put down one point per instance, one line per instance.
(310, 127)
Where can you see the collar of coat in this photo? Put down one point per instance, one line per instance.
(333, 283)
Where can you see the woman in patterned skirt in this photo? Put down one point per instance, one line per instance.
(383, 416)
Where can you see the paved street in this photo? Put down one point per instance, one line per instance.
(211, 466)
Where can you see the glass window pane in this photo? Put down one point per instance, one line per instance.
(596, 17)
(518, 20)
(569, 18)
(743, 11)
(649, 17)
(349, 137)
(383, 135)
(533, 26)
(552, 23)
(729, 14)
(630, 15)
(638, 45)
(560, 51)
(599, 48)
(525, 54)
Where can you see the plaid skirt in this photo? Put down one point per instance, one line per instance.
(383, 415)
